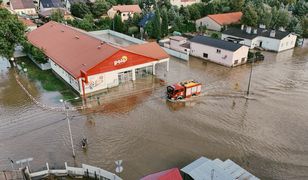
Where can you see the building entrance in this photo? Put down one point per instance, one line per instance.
(125, 76)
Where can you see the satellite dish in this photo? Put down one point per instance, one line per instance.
(119, 167)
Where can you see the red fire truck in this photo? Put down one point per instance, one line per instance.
(183, 90)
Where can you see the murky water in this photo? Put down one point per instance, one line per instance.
(267, 134)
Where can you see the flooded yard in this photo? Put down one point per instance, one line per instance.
(266, 134)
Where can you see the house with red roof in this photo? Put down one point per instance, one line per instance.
(125, 11)
(88, 64)
(23, 7)
(170, 174)
(217, 21)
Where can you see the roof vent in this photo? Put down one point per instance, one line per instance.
(84, 64)
(76, 37)
(102, 42)
(62, 30)
(248, 30)
(98, 47)
(255, 31)
(272, 33)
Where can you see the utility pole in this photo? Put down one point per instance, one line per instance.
(69, 124)
(248, 88)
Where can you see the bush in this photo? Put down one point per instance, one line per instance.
(215, 35)
(251, 55)
(37, 54)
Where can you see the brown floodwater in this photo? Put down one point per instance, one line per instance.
(266, 134)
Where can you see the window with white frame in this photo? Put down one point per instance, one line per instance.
(218, 51)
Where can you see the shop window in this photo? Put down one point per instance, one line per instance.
(205, 55)
(218, 51)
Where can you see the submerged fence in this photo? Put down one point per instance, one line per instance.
(84, 171)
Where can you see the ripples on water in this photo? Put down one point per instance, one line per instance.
(267, 135)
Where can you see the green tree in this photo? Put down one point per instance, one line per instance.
(283, 18)
(12, 33)
(57, 16)
(157, 25)
(236, 5)
(301, 8)
(103, 23)
(305, 26)
(215, 35)
(165, 23)
(265, 16)
(100, 7)
(118, 25)
(80, 9)
(250, 16)
(194, 12)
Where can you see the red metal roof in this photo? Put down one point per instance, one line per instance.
(75, 50)
(151, 49)
(171, 174)
(226, 18)
(127, 8)
(70, 48)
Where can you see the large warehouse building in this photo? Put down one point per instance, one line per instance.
(87, 64)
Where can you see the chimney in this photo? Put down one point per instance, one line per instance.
(282, 29)
(272, 33)
(262, 26)
(248, 29)
(242, 27)
(255, 31)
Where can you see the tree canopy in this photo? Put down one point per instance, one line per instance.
(12, 33)
(80, 9)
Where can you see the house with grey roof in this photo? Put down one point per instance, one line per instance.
(271, 40)
(50, 4)
(219, 51)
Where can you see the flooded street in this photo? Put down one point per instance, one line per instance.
(267, 134)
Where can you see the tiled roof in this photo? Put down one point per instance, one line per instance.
(127, 8)
(27, 22)
(216, 43)
(260, 32)
(22, 4)
(226, 18)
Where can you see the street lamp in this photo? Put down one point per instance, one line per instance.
(68, 121)
(250, 77)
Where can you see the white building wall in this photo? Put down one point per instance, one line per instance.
(180, 3)
(30, 11)
(65, 76)
(240, 55)
(209, 23)
(287, 42)
(124, 15)
(224, 57)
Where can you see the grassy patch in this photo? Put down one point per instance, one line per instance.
(48, 80)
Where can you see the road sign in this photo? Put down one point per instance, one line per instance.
(119, 167)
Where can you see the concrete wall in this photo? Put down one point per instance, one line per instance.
(224, 57)
(209, 23)
(65, 76)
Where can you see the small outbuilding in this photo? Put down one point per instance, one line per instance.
(217, 21)
(204, 168)
(222, 52)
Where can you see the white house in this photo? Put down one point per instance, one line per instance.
(88, 64)
(218, 51)
(23, 7)
(217, 21)
(272, 40)
(184, 3)
(125, 11)
(177, 43)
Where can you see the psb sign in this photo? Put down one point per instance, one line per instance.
(120, 61)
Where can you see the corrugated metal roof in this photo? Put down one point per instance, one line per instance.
(204, 168)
